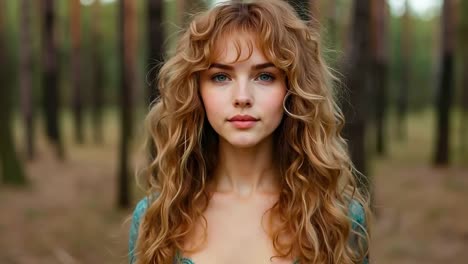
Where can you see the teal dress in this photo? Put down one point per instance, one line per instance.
(355, 209)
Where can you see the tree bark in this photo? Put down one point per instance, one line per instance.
(26, 75)
(98, 75)
(77, 84)
(445, 89)
(51, 93)
(402, 100)
(463, 33)
(356, 71)
(128, 63)
(11, 168)
(379, 70)
(156, 47)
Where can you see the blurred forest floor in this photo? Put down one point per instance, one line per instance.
(67, 214)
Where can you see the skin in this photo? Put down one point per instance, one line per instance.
(246, 179)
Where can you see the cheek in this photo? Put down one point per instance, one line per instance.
(212, 104)
(274, 102)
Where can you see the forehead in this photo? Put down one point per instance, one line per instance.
(239, 46)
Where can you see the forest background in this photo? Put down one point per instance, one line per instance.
(77, 78)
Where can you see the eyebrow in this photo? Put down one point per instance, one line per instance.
(255, 67)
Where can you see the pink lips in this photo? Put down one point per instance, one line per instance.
(243, 121)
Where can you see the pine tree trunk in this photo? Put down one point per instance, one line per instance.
(463, 33)
(128, 63)
(379, 70)
(26, 75)
(444, 98)
(98, 75)
(77, 84)
(156, 48)
(356, 70)
(10, 166)
(50, 88)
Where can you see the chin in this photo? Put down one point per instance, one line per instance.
(243, 142)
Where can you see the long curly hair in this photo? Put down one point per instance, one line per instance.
(317, 183)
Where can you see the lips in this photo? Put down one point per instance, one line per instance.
(242, 118)
(243, 121)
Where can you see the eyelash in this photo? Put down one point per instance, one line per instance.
(213, 78)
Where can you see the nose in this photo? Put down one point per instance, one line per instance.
(242, 95)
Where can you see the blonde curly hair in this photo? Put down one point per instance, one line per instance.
(317, 185)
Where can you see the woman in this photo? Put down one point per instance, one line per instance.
(250, 164)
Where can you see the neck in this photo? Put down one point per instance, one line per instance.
(244, 172)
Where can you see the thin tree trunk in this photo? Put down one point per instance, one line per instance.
(444, 98)
(50, 88)
(98, 75)
(26, 75)
(128, 63)
(402, 100)
(156, 48)
(463, 33)
(10, 166)
(77, 84)
(379, 69)
(356, 70)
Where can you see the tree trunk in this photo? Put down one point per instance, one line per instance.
(10, 166)
(379, 69)
(156, 48)
(98, 75)
(128, 63)
(26, 75)
(444, 98)
(463, 33)
(77, 84)
(356, 71)
(402, 100)
(51, 93)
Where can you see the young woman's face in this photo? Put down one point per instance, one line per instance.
(243, 100)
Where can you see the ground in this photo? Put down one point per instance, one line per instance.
(68, 214)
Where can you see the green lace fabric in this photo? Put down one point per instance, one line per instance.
(355, 209)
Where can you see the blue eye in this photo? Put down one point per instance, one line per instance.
(220, 77)
(266, 77)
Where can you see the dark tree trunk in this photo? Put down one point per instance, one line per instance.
(98, 75)
(10, 166)
(26, 75)
(379, 70)
(402, 100)
(156, 48)
(49, 67)
(463, 33)
(77, 84)
(444, 98)
(356, 70)
(156, 54)
(128, 48)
